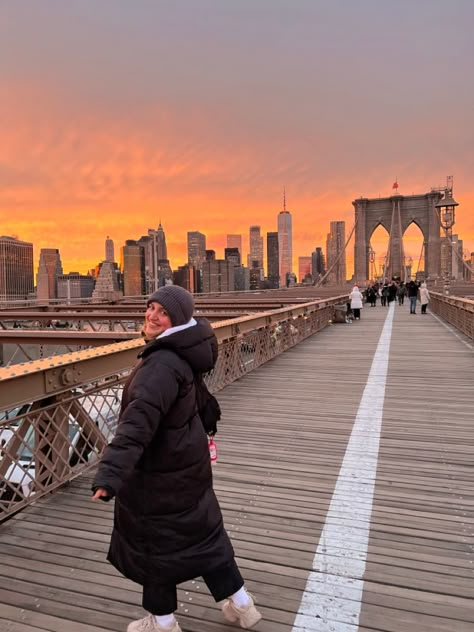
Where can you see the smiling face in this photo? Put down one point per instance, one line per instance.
(157, 320)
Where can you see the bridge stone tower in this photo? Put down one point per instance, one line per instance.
(395, 214)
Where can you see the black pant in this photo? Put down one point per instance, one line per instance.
(161, 599)
(423, 308)
(356, 311)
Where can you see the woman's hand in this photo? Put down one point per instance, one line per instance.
(101, 494)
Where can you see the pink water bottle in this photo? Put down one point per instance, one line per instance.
(212, 450)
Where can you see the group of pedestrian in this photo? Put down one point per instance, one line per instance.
(389, 292)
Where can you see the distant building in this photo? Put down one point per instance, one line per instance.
(155, 253)
(256, 276)
(151, 266)
(233, 255)
(285, 243)
(108, 282)
(235, 241)
(186, 277)
(160, 240)
(165, 273)
(132, 264)
(109, 250)
(255, 247)
(196, 249)
(75, 285)
(318, 267)
(335, 253)
(304, 267)
(241, 278)
(273, 261)
(16, 269)
(49, 269)
(217, 276)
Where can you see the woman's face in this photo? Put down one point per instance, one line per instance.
(156, 320)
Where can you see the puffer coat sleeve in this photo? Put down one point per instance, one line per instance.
(151, 394)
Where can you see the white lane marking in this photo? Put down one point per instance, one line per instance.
(331, 601)
(469, 346)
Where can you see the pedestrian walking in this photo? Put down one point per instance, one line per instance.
(356, 302)
(412, 290)
(168, 526)
(372, 296)
(424, 297)
(401, 292)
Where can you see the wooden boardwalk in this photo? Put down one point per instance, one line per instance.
(281, 446)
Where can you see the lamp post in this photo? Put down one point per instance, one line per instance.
(372, 271)
(446, 209)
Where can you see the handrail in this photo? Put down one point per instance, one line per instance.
(456, 310)
(58, 413)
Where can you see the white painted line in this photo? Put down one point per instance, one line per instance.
(469, 346)
(332, 598)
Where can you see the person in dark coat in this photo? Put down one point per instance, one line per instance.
(412, 290)
(168, 526)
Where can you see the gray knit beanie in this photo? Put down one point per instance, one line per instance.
(178, 302)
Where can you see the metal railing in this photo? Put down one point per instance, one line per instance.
(457, 311)
(58, 414)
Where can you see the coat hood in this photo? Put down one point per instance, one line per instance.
(197, 345)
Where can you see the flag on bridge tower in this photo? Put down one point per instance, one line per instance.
(395, 184)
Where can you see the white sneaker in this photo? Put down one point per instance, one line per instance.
(148, 624)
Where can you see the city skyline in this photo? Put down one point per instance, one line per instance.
(245, 245)
(200, 115)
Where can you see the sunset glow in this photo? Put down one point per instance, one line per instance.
(116, 115)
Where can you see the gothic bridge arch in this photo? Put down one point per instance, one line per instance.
(395, 214)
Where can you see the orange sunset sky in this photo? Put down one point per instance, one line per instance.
(115, 114)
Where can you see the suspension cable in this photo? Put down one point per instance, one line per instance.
(420, 257)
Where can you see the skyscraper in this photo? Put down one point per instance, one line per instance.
(273, 261)
(49, 269)
(235, 241)
(133, 268)
(16, 269)
(255, 248)
(336, 255)
(109, 250)
(156, 251)
(147, 242)
(317, 263)
(159, 241)
(196, 249)
(285, 243)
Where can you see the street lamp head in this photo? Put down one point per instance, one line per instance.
(446, 211)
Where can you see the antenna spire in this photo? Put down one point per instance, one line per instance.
(284, 199)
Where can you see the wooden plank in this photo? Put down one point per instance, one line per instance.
(281, 443)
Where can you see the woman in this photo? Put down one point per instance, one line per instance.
(168, 525)
(424, 297)
(356, 302)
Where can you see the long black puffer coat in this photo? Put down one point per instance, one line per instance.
(168, 525)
